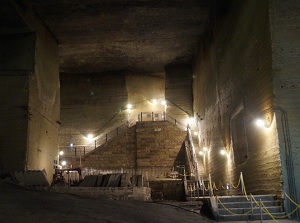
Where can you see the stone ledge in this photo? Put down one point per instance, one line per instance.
(114, 193)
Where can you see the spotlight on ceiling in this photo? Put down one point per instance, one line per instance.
(90, 136)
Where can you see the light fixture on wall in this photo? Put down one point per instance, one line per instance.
(203, 151)
(90, 136)
(164, 104)
(190, 122)
(129, 106)
(154, 101)
(63, 163)
(223, 152)
(260, 123)
(61, 153)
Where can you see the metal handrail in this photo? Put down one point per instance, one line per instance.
(142, 117)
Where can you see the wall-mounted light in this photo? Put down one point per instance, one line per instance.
(90, 136)
(164, 102)
(63, 163)
(205, 148)
(190, 121)
(154, 101)
(61, 153)
(201, 153)
(129, 106)
(71, 144)
(222, 152)
(260, 123)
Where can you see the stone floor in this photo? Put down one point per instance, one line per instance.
(21, 205)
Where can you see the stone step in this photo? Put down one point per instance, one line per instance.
(256, 210)
(248, 204)
(249, 217)
(227, 199)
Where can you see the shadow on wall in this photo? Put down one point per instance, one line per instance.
(4, 172)
(180, 158)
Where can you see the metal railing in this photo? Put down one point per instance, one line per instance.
(81, 150)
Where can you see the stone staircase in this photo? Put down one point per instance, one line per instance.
(238, 208)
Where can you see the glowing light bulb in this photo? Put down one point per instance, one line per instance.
(260, 123)
(222, 152)
(154, 101)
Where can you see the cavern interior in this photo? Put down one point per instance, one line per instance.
(173, 99)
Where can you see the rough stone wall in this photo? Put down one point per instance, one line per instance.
(17, 60)
(88, 103)
(13, 123)
(158, 144)
(114, 193)
(117, 153)
(232, 87)
(149, 148)
(96, 104)
(44, 106)
(31, 66)
(285, 31)
(179, 87)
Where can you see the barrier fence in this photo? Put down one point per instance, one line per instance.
(207, 188)
(81, 150)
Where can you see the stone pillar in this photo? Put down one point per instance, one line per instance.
(30, 94)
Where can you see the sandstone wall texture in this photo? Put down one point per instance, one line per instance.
(158, 144)
(96, 104)
(179, 87)
(44, 106)
(149, 148)
(17, 60)
(232, 88)
(120, 152)
(285, 32)
(30, 95)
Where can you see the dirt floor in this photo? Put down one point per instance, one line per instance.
(18, 204)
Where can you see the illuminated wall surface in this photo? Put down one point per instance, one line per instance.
(31, 97)
(285, 68)
(149, 148)
(246, 69)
